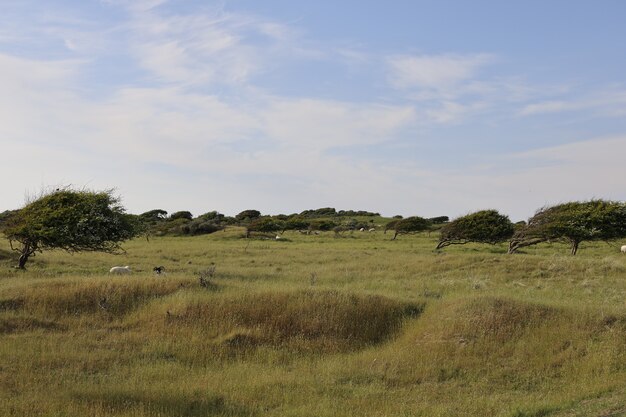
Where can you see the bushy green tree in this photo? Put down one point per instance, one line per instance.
(439, 219)
(573, 222)
(297, 223)
(320, 212)
(181, 215)
(71, 220)
(247, 215)
(323, 225)
(411, 224)
(264, 225)
(154, 216)
(486, 226)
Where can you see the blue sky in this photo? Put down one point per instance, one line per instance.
(404, 107)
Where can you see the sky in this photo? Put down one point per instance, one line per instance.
(404, 107)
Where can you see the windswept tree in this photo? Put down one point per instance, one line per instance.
(71, 220)
(154, 216)
(247, 216)
(573, 223)
(391, 225)
(412, 224)
(184, 214)
(485, 226)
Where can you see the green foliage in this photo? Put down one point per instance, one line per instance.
(70, 220)
(216, 218)
(392, 224)
(574, 222)
(321, 212)
(247, 215)
(352, 213)
(264, 225)
(439, 219)
(410, 225)
(354, 224)
(181, 223)
(297, 223)
(154, 216)
(323, 225)
(181, 215)
(486, 226)
(4, 217)
(332, 212)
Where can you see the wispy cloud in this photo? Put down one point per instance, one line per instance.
(179, 105)
(438, 72)
(604, 103)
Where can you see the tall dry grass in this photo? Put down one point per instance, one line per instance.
(384, 328)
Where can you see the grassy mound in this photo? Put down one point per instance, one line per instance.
(319, 320)
(114, 296)
(505, 342)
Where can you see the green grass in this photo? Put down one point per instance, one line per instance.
(315, 326)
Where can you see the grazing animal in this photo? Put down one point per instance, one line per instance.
(159, 270)
(372, 230)
(362, 229)
(623, 249)
(120, 270)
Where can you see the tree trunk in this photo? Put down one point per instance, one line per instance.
(575, 246)
(27, 250)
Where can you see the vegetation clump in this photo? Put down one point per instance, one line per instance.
(310, 319)
(71, 220)
(409, 225)
(573, 222)
(486, 226)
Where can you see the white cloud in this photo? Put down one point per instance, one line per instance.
(198, 134)
(434, 71)
(320, 124)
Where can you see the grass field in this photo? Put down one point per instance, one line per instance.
(316, 325)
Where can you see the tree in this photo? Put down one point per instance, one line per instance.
(320, 212)
(264, 225)
(154, 216)
(181, 215)
(410, 225)
(248, 215)
(439, 219)
(573, 222)
(74, 221)
(392, 224)
(486, 226)
(297, 223)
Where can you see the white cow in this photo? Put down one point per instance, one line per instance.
(120, 270)
(623, 249)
